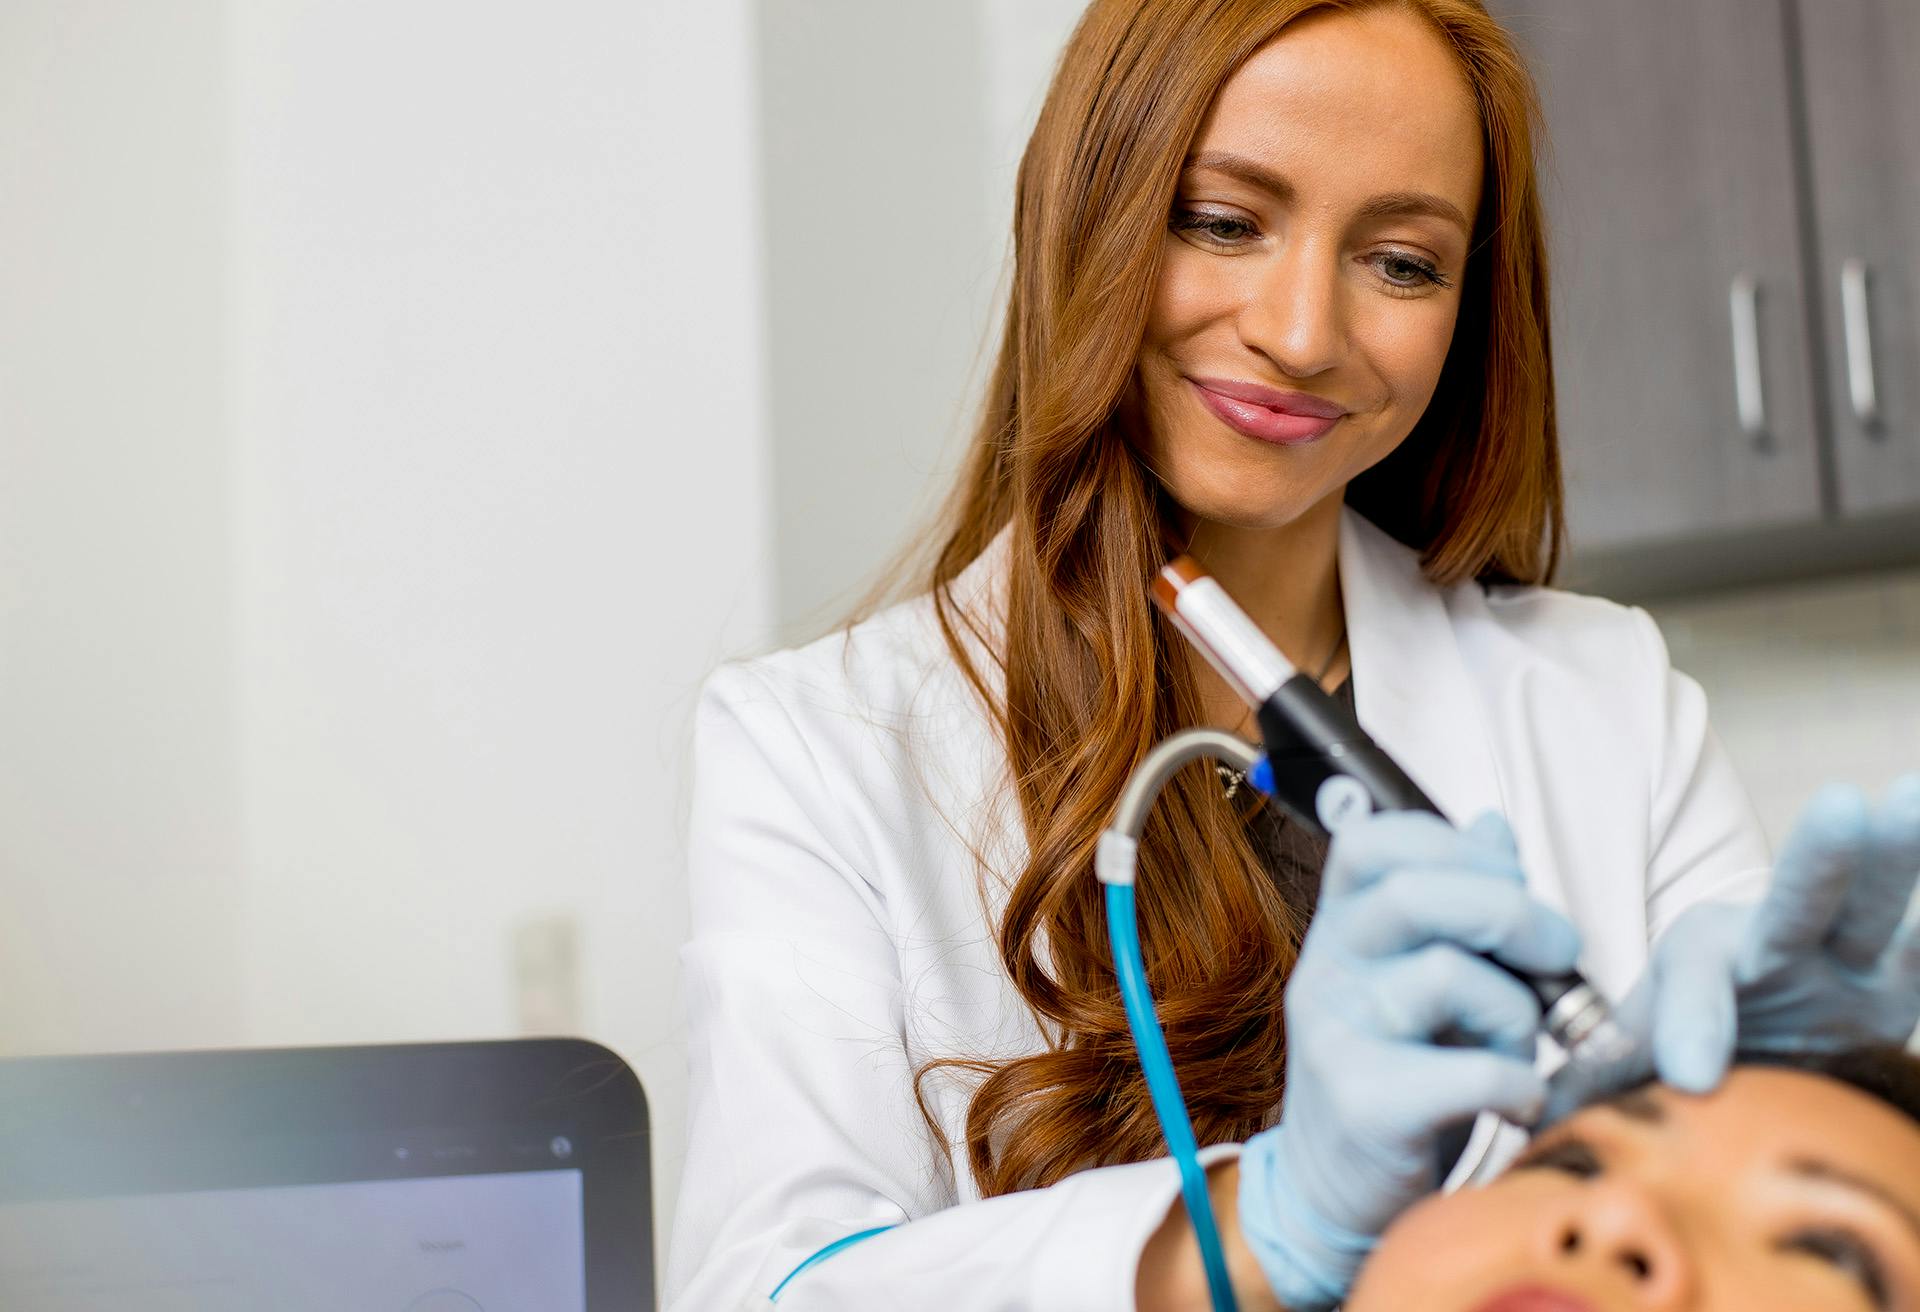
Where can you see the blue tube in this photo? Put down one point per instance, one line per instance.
(1163, 1085)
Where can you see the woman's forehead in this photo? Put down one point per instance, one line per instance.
(1376, 100)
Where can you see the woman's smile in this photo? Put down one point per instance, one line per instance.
(1266, 413)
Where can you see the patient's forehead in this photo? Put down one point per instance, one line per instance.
(1770, 1115)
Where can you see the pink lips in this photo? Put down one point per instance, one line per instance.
(1534, 1298)
(1267, 413)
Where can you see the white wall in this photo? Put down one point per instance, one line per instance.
(119, 881)
(387, 456)
(384, 465)
(500, 417)
(891, 135)
(880, 264)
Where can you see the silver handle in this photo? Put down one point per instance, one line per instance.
(1744, 301)
(1859, 331)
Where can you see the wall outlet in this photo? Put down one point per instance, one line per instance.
(546, 974)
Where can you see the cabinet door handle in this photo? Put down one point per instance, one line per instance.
(1859, 330)
(1744, 300)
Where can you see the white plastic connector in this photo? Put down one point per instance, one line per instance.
(1116, 859)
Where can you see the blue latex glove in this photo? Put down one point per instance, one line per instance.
(1387, 971)
(1824, 962)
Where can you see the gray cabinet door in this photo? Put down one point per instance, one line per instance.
(1669, 182)
(1862, 85)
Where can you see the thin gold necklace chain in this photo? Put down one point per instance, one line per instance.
(1233, 778)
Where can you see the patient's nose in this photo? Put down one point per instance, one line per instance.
(1623, 1234)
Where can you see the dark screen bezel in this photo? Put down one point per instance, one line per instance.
(136, 1123)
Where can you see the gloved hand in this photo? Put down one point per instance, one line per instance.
(1823, 962)
(1386, 972)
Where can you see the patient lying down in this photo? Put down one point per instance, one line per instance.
(1787, 1187)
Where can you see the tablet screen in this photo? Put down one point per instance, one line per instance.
(459, 1243)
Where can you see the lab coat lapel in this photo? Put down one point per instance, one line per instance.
(1412, 691)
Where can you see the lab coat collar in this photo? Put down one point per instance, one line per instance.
(1412, 691)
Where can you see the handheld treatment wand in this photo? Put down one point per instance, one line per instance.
(1321, 765)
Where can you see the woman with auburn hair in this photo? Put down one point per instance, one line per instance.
(1279, 301)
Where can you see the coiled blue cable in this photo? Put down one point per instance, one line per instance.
(1123, 931)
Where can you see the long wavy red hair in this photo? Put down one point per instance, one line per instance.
(1090, 677)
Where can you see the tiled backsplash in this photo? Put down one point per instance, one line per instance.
(1807, 682)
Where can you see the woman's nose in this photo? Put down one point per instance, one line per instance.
(1621, 1234)
(1293, 313)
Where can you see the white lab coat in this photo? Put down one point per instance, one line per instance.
(840, 937)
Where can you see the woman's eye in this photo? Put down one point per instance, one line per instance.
(1569, 1156)
(1220, 229)
(1410, 271)
(1847, 1253)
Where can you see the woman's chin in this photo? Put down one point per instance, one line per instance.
(1238, 510)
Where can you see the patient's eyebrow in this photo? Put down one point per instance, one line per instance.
(1813, 1169)
(1637, 1105)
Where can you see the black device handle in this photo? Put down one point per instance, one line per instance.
(1310, 738)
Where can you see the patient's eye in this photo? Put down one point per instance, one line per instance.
(1843, 1249)
(1571, 1156)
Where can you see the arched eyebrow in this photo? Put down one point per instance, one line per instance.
(1812, 1168)
(1388, 205)
(1637, 1104)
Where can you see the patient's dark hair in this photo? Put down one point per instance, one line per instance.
(1886, 1072)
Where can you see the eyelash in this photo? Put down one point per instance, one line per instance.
(1839, 1248)
(1847, 1253)
(1197, 221)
